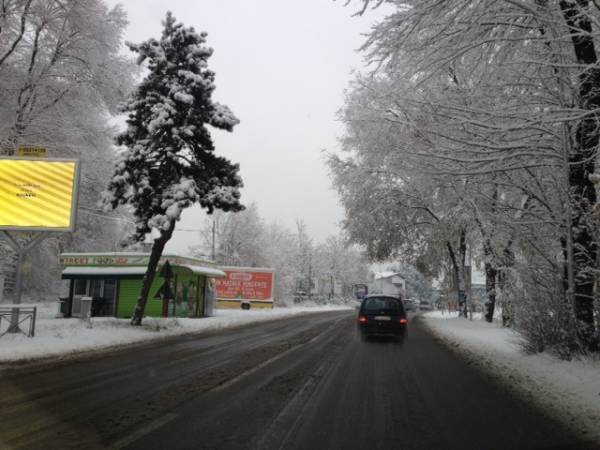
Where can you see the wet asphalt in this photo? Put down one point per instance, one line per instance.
(307, 382)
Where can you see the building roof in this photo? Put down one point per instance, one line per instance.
(73, 271)
(130, 271)
(126, 259)
(387, 274)
(248, 269)
(209, 271)
(128, 265)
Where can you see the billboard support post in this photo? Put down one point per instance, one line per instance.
(21, 252)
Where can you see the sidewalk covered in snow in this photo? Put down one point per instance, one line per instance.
(64, 337)
(569, 388)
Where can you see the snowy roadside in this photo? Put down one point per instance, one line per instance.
(65, 337)
(569, 388)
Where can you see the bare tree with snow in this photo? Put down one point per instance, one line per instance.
(496, 101)
(62, 76)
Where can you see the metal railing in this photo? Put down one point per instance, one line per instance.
(15, 316)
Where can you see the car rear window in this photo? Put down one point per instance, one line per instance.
(382, 305)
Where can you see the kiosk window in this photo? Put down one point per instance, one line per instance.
(96, 289)
(80, 287)
(110, 289)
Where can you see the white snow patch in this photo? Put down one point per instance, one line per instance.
(594, 178)
(570, 388)
(384, 274)
(59, 336)
(222, 116)
(443, 314)
(184, 97)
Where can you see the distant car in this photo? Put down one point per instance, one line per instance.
(425, 305)
(410, 305)
(300, 296)
(478, 306)
(382, 315)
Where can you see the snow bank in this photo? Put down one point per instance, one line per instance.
(59, 337)
(443, 314)
(570, 388)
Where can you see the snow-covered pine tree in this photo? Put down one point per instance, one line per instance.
(169, 161)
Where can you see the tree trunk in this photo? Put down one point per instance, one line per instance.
(455, 271)
(508, 260)
(157, 249)
(490, 288)
(490, 282)
(462, 286)
(459, 278)
(581, 165)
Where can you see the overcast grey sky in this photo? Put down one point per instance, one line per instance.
(282, 67)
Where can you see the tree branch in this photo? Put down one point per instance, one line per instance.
(20, 35)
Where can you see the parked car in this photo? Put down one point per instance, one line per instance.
(382, 315)
(425, 305)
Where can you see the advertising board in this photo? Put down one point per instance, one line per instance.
(38, 195)
(242, 283)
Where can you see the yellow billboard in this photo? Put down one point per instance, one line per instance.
(38, 194)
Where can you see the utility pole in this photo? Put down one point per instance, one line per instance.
(214, 232)
(309, 276)
(469, 288)
(332, 287)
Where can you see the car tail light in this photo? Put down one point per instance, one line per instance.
(403, 321)
(362, 319)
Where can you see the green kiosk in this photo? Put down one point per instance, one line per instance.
(114, 282)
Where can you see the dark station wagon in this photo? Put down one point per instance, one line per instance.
(382, 315)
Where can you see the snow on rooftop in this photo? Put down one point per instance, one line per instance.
(216, 273)
(109, 270)
(133, 270)
(163, 257)
(18, 305)
(106, 253)
(251, 269)
(386, 274)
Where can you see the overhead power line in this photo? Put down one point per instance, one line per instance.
(93, 212)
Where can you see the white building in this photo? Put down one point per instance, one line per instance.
(388, 283)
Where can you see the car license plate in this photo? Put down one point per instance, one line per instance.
(382, 318)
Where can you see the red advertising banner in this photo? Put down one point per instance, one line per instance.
(245, 284)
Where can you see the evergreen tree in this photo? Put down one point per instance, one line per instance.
(169, 161)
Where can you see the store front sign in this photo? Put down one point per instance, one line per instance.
(103, 260)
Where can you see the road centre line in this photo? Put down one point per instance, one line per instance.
(289, 416)
(273, 359)
(150, 427)
(140, 432)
